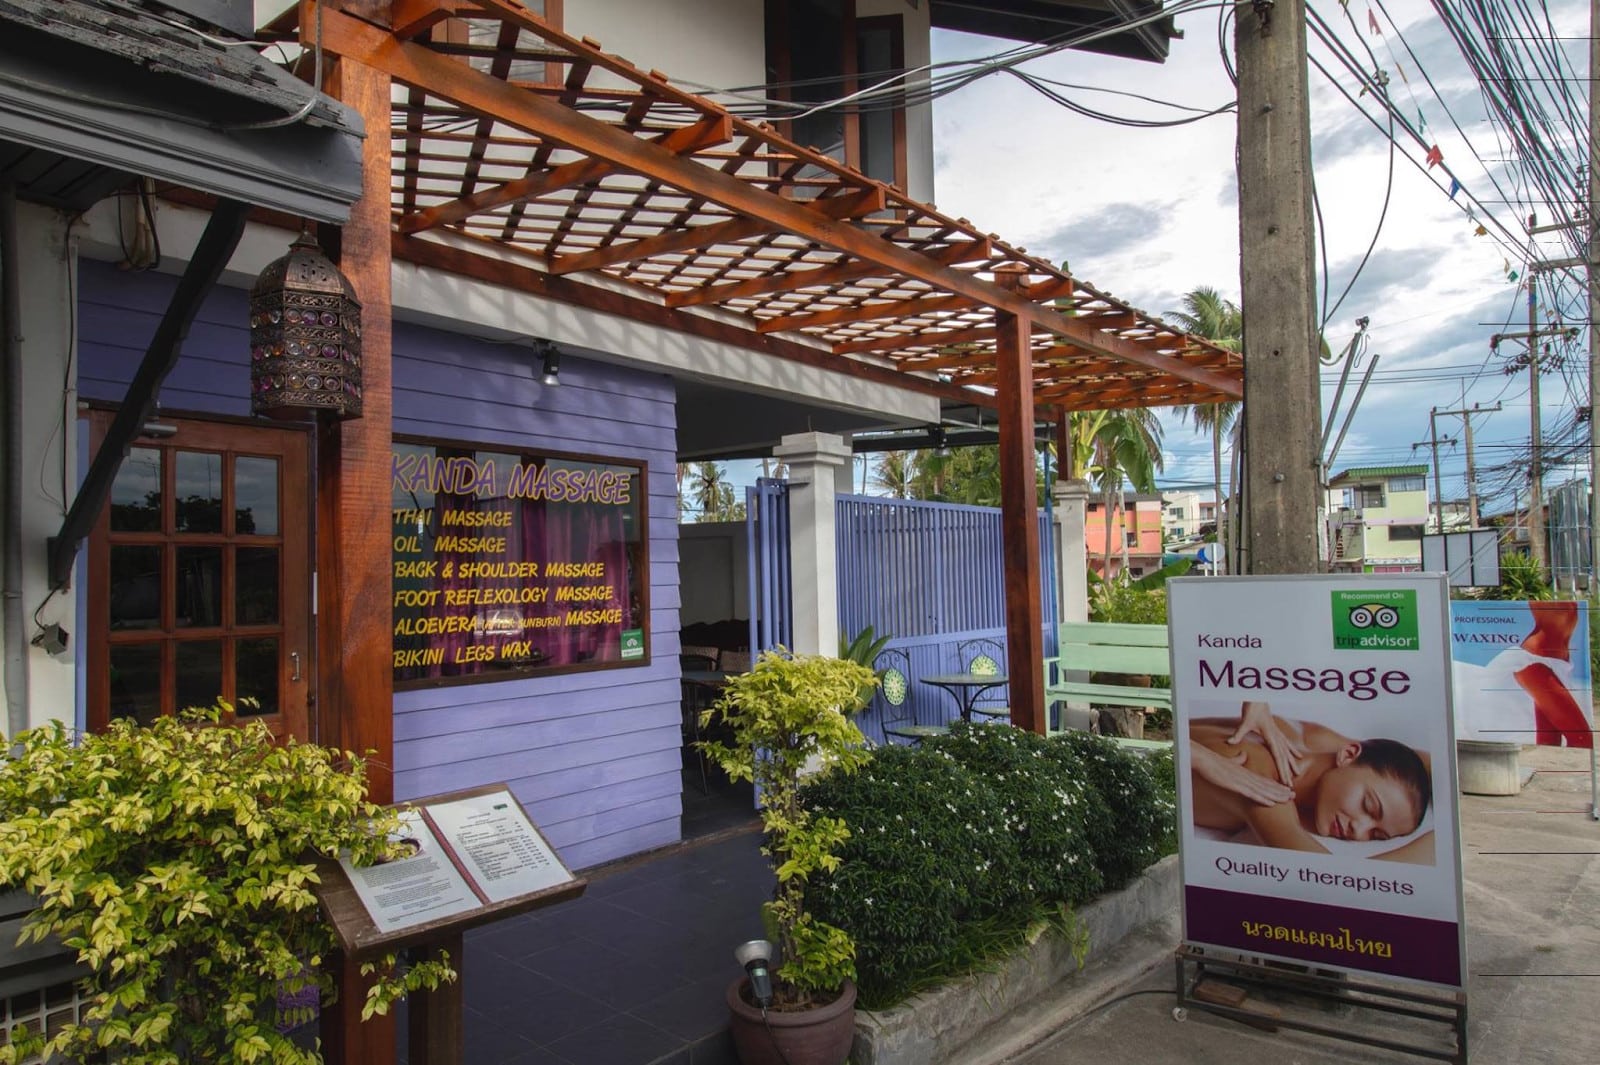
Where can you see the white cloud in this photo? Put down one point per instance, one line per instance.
(1150, 214)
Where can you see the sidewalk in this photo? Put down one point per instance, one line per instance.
(1531, 865)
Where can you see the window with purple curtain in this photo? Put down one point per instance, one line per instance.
(510, 563)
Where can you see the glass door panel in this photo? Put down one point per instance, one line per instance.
(199, 582)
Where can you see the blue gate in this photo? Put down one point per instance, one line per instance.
(929, 575)
(767, 537)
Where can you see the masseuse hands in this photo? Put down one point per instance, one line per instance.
(1287, 754)
(1229, 773)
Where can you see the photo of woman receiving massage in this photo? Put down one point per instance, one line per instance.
(1276, 782)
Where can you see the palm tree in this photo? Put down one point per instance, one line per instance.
(712, 493)
(896, 471)
(1207, 314)
(1113, 446)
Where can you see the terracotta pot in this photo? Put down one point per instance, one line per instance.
(820, 1036)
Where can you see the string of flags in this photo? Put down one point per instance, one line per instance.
(1435, 155)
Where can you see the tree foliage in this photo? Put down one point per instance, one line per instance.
(178, 859)
(785, 716)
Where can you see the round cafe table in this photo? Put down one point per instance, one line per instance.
(966, 687)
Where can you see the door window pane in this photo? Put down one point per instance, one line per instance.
(199, 669)
(255, 586)
(256, 676)
(136, 492)
(255, 496)
(135, 587)
(136, 681)
(198, 492)
(198, 587)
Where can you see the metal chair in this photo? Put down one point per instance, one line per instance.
(984, 657)
(893, 666)
(695, 696)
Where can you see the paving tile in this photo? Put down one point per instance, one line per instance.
(620, 1040)
(691, 1012)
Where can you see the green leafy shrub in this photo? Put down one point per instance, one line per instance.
(1141, 821)
(864, 651)
(1043, 803)
(1520, 578)
(924, 861)
(787, 716)
(178, 860)
(960, 847)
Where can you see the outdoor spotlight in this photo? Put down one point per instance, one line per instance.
(936, 434)
(756, 957)
(552, 364)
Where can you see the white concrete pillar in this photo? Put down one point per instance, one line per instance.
(1072, 567)
(50, 444)
(1071, 500)
(814, 460)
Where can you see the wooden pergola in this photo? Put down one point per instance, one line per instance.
(521, 156)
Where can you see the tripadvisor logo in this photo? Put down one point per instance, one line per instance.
(1375, 620)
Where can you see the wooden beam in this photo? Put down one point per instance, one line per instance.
(978, 334)
(210, 258)
(714, 130)
(732, 231)
(867, 312)
(475, 91)
(355, 636)
(1019, 520)
(411, 18)
(536, 283)
(840, 273)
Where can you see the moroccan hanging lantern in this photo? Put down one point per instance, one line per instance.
(305, 337)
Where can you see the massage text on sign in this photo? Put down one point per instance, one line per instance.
(510, 562)
(1316, 780)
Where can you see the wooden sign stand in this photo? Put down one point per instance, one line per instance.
(478, 858)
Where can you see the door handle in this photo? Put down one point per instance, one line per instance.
(294, 657)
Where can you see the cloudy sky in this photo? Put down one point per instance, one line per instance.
(1151, 213)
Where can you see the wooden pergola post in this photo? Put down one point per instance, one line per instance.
(355, 678)
(1019, 511)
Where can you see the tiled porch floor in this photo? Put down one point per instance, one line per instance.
(633, 971)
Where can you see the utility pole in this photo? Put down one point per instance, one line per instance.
(1282, 405)
(1435, 441)
(1536, 442)
(1594, 306)
(1536, 448)
(1472, 472)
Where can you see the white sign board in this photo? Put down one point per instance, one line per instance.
(1316, 782)
(470, 851)
(1469, 559)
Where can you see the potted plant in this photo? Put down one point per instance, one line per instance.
(177, 859)
(784, 719)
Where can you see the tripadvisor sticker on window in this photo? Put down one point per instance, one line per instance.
(1376, 620)
(632, 643)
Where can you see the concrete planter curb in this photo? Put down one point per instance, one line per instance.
(932, 1028)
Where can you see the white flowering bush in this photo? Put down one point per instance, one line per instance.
(1141, 803)
(958, 848)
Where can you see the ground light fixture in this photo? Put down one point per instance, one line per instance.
(551, 355)
(756, 958)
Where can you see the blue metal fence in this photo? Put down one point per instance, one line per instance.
(767, 537)
(929, 575)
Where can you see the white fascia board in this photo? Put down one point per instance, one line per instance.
(468, 307)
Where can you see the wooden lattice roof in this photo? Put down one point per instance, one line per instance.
(524, 154)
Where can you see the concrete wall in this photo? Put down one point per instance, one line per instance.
(49, 448)
(714, 575)
(717, 43)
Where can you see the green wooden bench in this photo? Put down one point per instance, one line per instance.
(1108, 647)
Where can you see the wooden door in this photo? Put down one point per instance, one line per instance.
(199, 576)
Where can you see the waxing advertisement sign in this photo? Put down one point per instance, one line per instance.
(1316, 754)
(1522, 671)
